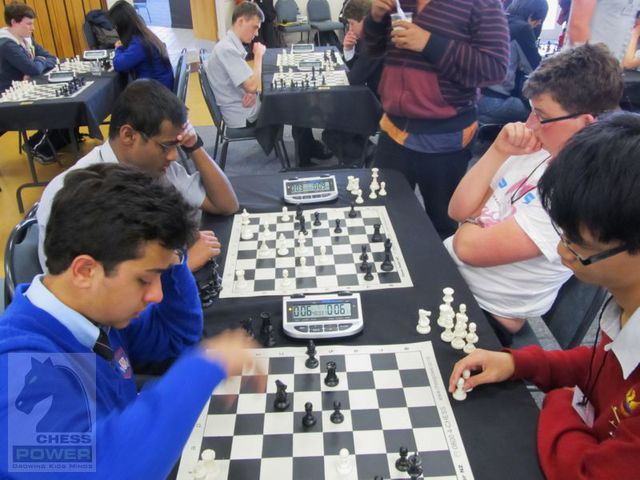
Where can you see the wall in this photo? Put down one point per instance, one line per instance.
(59, 24)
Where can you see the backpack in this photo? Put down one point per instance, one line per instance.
(102, 29)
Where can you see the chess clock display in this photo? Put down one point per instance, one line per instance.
(95, 54)
(322, 316)
(302, 48)
(60, 76)
(310, 189)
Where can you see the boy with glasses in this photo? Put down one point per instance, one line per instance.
(505, 246)
(589, 424)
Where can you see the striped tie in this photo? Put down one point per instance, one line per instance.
(103, 346)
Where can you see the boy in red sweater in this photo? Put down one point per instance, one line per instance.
(589, 425)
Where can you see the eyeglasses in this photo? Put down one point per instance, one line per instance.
(593, 258)
(555, 119)
(166, 147)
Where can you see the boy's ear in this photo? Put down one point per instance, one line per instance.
(84, 270)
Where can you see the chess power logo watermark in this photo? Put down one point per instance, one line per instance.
(51, 412)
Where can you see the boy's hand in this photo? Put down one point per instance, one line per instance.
(258, 50)
(350, 40)
(206, 247)
(380, 8)
(495, 366)
(516, 139)
(409, 36)
(249, 100)
(188, 136)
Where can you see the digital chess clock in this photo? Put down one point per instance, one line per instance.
(310, 189)
(322, 316)
(95, 54)
(302, 48)
(60, 76)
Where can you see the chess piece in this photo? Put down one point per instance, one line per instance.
(402, 463)
(208, 458)
(424, 323)
(471, 339)
(285, 215)
(245, 217)
(299, 214)
(365, 258)
(303, 228)
(303, 265)
(359, 200)
(377, 236)
(446, 312)
(263, 251)
(241, 283)
(352, 212)
(460, 394)
(336, 416)
(466, 374)
(369, 275)
(281, 401)
(387, 245)
(337, 229)
(344, 465)
(247, 326)
(266, 322)
(386, 265)
(308, 420)
(363, 255)
(331, 380)
(415, 466)
(383, 190)
(372, 194)
(447, 335)
(312, 361)
(282, 245)
(246, 233)
(316, 222)
(448, 295)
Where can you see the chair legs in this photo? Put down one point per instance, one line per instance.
(223, 154)
(215, 147)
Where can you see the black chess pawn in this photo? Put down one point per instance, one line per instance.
(352, 212)
(281, 402)
(308, 420)
(363, 265)
(376, 237)
(386, 265)
(387, 246)
(363, 255)
(247, 325)
(402, 463)
(369, 276)
(299, 212)
(415, 466)
(303, 228)
(336, 416)
(331, 380)
(337, 229)
(316, 221)
(312, 361)
(266, 321)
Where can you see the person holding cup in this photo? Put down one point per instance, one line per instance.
(437, 54)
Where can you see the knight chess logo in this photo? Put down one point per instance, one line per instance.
(51, 412)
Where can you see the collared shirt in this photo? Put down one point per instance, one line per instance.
(227, 71)
(81, 328)
(625, 341)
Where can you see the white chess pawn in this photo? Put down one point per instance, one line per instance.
(424, 321)
(350, 183)
(466, 374)
(208, 458)
(322, 259)
(199, 471)
(447, 335)
(241, 283)
(286, 281)
(303, 264)
(448, 295)
(459, 334)
(245, 217)
(263, 251)
(285, 215)
(344, 465)
(460, 394)
(246, 233)
(356, 185)
(373, 195)
(383, 190)
(282, 245)
(359, 199)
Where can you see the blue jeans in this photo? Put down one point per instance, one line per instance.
(501, 110)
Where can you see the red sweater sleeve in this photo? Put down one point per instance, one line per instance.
(568, 449)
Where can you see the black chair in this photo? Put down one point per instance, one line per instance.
(228, 134)
(21, 261)
(89, 36)
(320, 18)
(181, 81)
(576, 307)
(286, 20)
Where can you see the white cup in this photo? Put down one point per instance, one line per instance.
(395, 17)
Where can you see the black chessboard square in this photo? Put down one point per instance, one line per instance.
(371, 221)
(338, 359)
(247, 254)
(360, 380)
(325, 269)
(249, 424)
(298, 427)
(274, 446)
(379, 257)
(343, 258)
(250, 384)
(221, 445)
(335, 396)
(391, 398)
(366, 420)
(244, 468)
(306, 282)
(334, 441)
(271, 398)
(384, 237)
(414, 378)
(307, 468)
(320, 232)
(372, 465)
(306, 382)
(437, 464)
(359, 230)
(384, 361)
(280, 270)
(389, 277)
(288, 234)
(348, 280)
(310, 261)
(424, 417)
(223, 404)
(394, 439)
(280, 365)
(264, 285)
(266, 263)
(339, 239)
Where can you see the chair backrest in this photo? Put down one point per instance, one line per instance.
(209, 96)
(21, 261)
(92, 41)
(182, 77)
(576, 307)
(286, 10)
(318, 10)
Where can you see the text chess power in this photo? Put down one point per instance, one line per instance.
(391, 396)
(339, 269)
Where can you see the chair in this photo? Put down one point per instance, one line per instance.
(320, 17)
(228, 134)
(89, 36)
(138, 4)
(21, 262)
(570, 316)
(287, 12)
(181, 81)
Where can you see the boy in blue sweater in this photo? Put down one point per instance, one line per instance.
(118, 286)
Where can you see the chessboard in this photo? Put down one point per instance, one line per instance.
(288, 59)
(390, 396)
(337, 270)
(334, 78)
(81, 67)
(29, 91)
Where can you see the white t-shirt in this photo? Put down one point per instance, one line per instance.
(189, 186)
(526, 288)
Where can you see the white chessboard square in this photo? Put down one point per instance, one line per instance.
(246, 287)
(246, 447)
(363, 400)
(346, 269)
(395, 419)
(329, 426)
(308, 444)
(246, 264)
(409, 360)
(359, 239)
(287, 379)
(305, 272)
(300, 398)
(230, 386)
(331, 470)
(221, 468)
(419, 397)
(276, 468)
(285, 262)
(278, 423)
(248, 244)
(220, 425)
(255, 366)
(368, 441)
(325, 281)
(343, 249)
(252, 403)
(358, 363)
(319, 241)
(300, 367)
(387, 379)
(264, 274)
(430, 439)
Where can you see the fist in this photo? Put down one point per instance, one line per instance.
(516, 139)
(380, 8)
(350, 40)
(258, 49)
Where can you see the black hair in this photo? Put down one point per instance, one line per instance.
(17, 11)
(528, 9)
(247, 10)
(109, 211)
(129, 24)
(594, 182)
(584, 79)
(144, 105)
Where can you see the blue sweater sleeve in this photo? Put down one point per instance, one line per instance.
(18, 58)
(49, 60)
(127, 58)
(164, 330)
